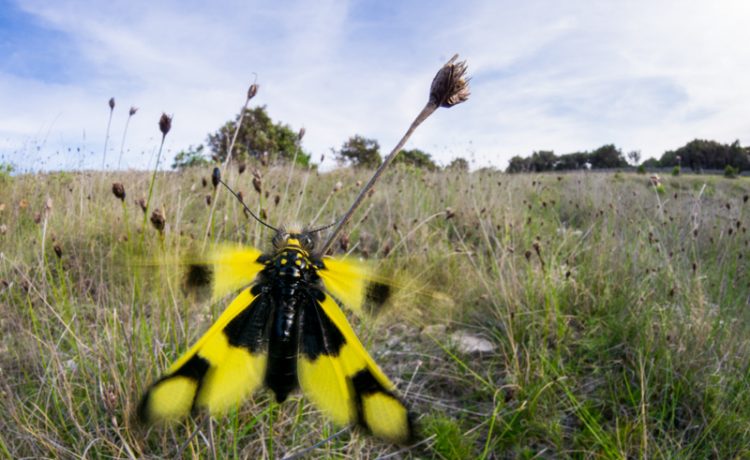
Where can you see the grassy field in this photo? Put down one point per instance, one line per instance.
(618, 317)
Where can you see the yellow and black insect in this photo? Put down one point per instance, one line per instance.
(285, 329)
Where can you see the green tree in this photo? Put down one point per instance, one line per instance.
(607, 156)
(193, 156)
(258, 136)
(573, 161)
(518, 164)
(360, 152)
(458, 164)
(542, 160)
(705, 154)
(417, 158)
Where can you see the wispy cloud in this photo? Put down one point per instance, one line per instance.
(546, 75)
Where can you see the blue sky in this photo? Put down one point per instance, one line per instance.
(566, 76)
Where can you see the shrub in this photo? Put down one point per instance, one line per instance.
(731, 172)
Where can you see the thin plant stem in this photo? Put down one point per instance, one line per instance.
(106, 138)
(428, 110)
(151, 188)
(122, 144)
(215, 199)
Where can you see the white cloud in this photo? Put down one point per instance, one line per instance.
(547, 75)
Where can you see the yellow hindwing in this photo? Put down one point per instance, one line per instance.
(213, 374)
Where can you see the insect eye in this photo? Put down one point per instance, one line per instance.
(307, 241)
(279, 239)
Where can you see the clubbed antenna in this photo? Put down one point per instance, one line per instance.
(449, 87)
(216, 178)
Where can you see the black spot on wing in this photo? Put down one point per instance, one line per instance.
(319, 334)
(377, 296)
(198, 276)
(249, 328)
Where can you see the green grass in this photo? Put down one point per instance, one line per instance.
(619, 314)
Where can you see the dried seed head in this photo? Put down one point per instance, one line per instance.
(142, 204)
(449, 213)
(58, 250)
(276, 199)
(165, 124)
(111, 103)
(337, 187)
(37, 217)
(257, 184)
(450, 87)
(215, 177)
(240, 196)
(204, 181)
(208, 200)
(48, 204)
(118, 190)
(132, 111)
(344, 242)
(301, 134)
(241, 168)
(157, 220)
(252, 91)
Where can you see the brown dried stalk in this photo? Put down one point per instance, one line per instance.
(449, 87)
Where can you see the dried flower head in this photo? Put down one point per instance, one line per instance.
(337, 186)
(157, 220)
(48, 204)
(344, 242)
(257, 184)
(132, 111)
(118, 190)
(142, 204)
(241, 167)
(450, 87)
(111, 103)
(301, 134)
(252, 91)
(58, 250)
(165, 124)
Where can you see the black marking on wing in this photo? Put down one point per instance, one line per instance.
(198, 276)
(377, 296)
(194, 369)
(249, 329)
(319, 334)
(365, 384)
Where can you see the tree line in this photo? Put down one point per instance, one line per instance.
(697, 155)
(260, 138)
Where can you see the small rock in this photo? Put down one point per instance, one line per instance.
(468, 343)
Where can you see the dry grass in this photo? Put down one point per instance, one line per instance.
(618, 315)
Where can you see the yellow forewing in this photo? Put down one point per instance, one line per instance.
(234, 267)
(232, 374)
(346, 279)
